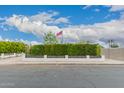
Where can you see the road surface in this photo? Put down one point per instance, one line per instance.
(61, 76)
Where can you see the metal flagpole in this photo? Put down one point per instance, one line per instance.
(62, 38)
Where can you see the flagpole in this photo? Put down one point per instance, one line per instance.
(62, 38)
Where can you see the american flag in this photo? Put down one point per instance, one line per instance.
(59, 33)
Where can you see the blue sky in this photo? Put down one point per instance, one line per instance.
(64, 17)
(77, 13)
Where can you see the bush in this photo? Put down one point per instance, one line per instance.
(12, 47)
(76, 49)
(37, 50)
(98, 50)
(56, 49)
(91, 50)
(48, 50)
(60, 49)
(67, 49)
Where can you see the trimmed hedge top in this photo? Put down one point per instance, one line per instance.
(66, 49)
(12, 47)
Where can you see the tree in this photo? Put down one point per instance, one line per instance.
(113, 44)
(12, 47)
(50, 38)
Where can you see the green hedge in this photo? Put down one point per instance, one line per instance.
(12, 47)
(66, 49)
(55, 49)
(37, 50)
(77, 49)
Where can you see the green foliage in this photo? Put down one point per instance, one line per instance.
(67, 49)
(48, 50)
(12, 47)
(113, 44)
(77, 49)
(37, 50)
(98, 50)
(55, 49)
(92, 50)
(58, 49)
(50, 38)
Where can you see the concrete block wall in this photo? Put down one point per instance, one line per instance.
(66, 59)
(114, 53)
(4, 55)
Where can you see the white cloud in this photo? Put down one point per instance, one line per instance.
(29, 42)
(4, 39)
(61, 20)
(3, 18)
(97, 10)
(99, 32)
(86, 7)
(107, 16)
(37, 24)
(114, 8)
(122, 15)
(48, 18)
(35, 43)
(1, 38)
(25, 24)
(117, 8)
(89, 6)
(44, 17)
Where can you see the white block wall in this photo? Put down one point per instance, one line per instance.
(66, 59)
(2, 56)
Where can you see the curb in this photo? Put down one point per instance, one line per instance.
(60, 63)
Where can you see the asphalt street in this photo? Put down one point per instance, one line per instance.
(62, 76)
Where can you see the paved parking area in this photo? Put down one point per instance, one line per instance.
(62, 76)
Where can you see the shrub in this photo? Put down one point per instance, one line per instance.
(91, 50)
(56, 49)
(12, 47)
(60, 49)
(37, 50)
(98, 50)
(67, 49)
(76, 49)
(48, 50)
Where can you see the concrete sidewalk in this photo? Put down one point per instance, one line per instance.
(18, 60)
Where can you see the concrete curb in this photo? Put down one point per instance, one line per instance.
(60, 63)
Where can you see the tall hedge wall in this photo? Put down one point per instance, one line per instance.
(66, 49)
(37, 50)
(55, 49)
(12, 47)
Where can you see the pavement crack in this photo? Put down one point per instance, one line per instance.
(94, 86)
